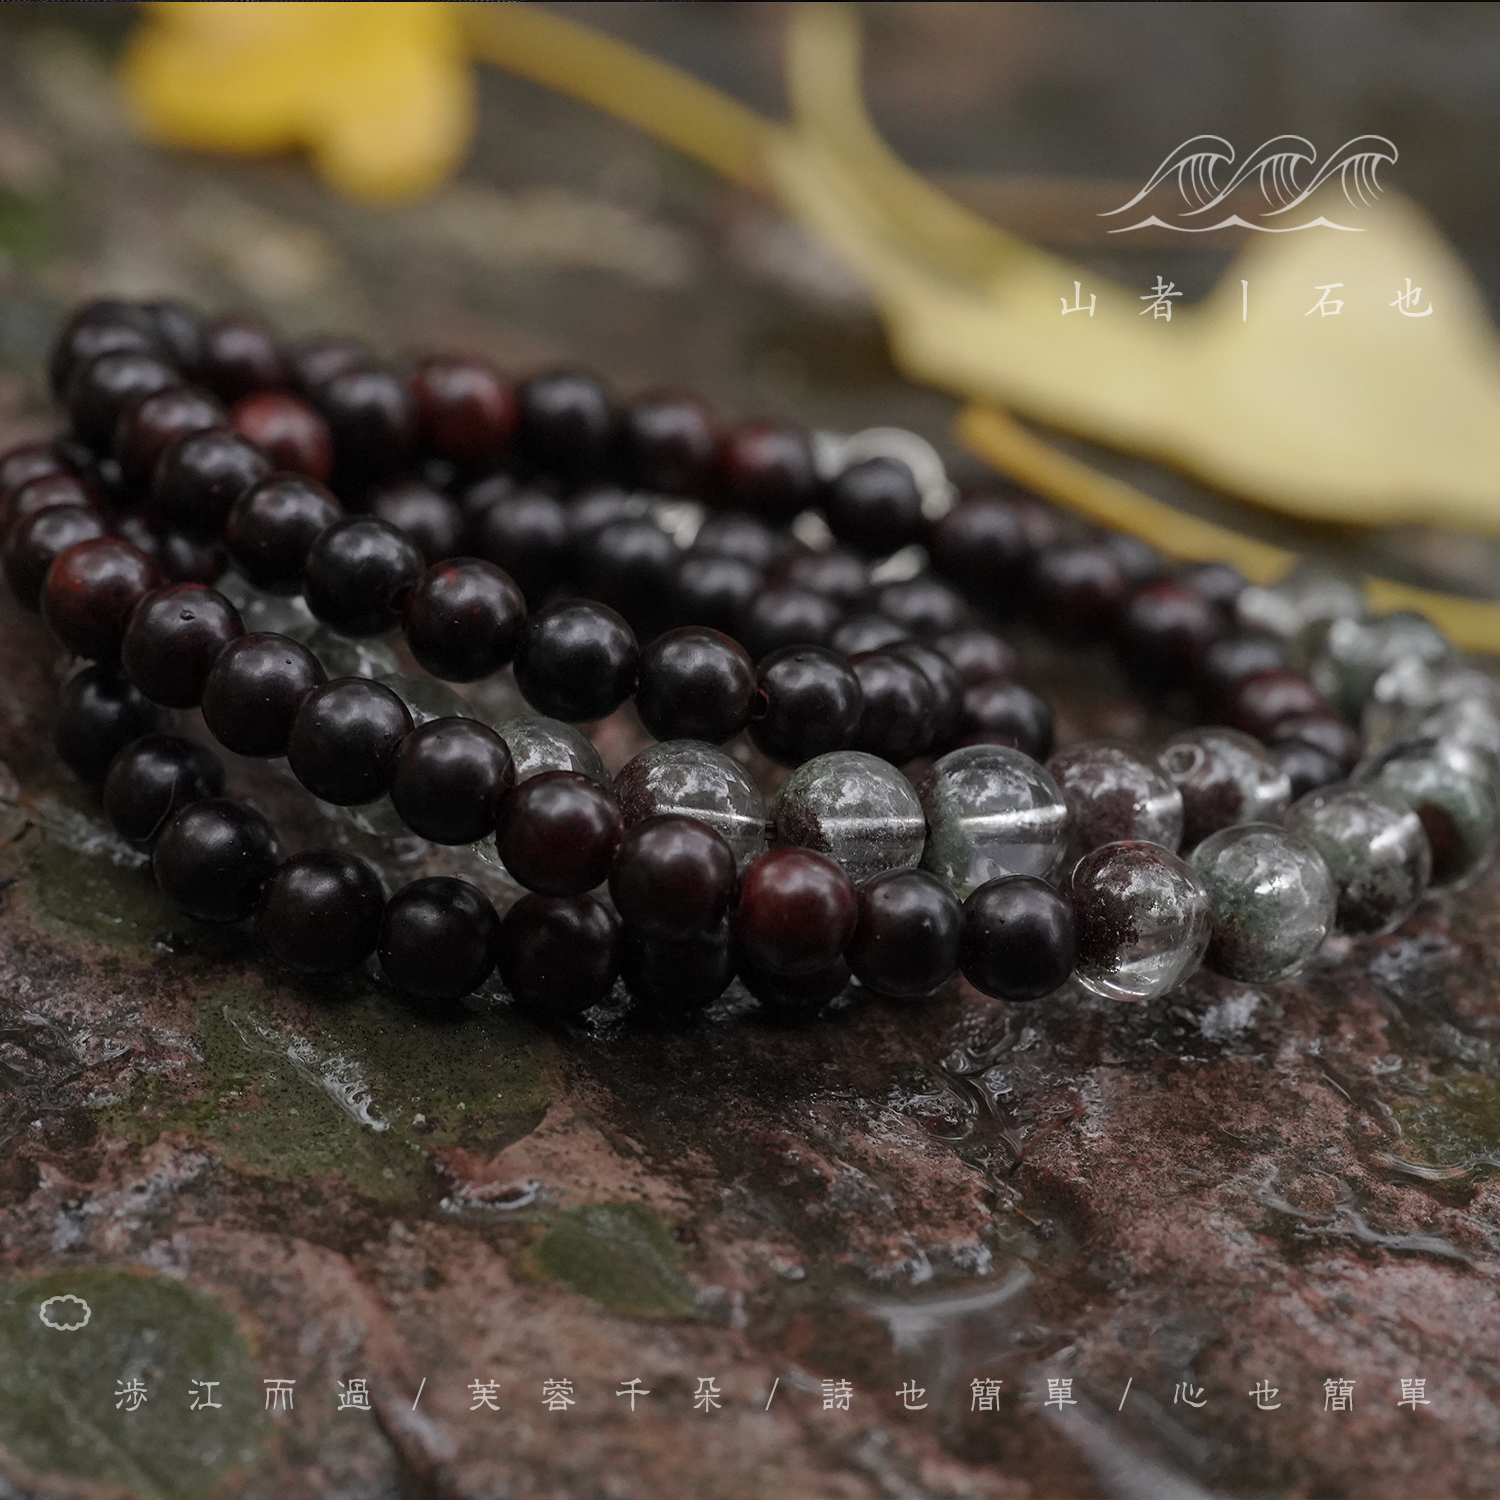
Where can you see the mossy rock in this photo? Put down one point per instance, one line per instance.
(619, 1254)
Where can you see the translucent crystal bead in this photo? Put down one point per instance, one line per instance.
(1113, 793)
(1375, 850)
(1405, 691)
(538, 744)
(1142, 920)
(260, 611)
(1270, 901)
(342, 655)
(426, 697)
(1449, 788)
(1225, 778)
(1300, 609)
(497, 699)
(857, 809)
(1470, 723)
(991, 811)
(1355, 653)
(699, 781)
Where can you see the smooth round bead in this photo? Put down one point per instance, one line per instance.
(372, 418)
(898, 707)
(767, 468)
(858, 810)
(1356, 652)
(272, 527)
(100, 390)
(1019, 941)
(1002, 712)
(432, 522)
(782, 616)
(321, 912)
(1217, 582)
(94, 329)
(990, 811)
(1141, 919)
(1140, 560)
(99, 712)
(1299, 610)
(1229, 660)
(538, 745)
(576, 661)
(438, 939)
(1078, 591)
(568, 422)
(837, 575)
(313, 362)
(794, 913)
(947, 692)
(46, 492)
(1271, 902)
(978, 655)
(793, 996)
(1164, 632)
(90, 591)
(807, 703)
(628, 565)
(1260, 703)
(673, 879)
(1307, 767)
(741, 537)
(450, 777)
(558, 955)
(1333, 737)
(1375, 849)
(172, 640)
(359, 575)
(670, 439)
(981, 544)
(25, 463)
(152, 777)
(1450, 788)
(344, 740)
(875, 506)
(675, 979)
(201, 476)
(149, 426)
(526, 535)
(714, 592)
(591, 510)
(253, 691)
(557, 833)
(1114, 793)
(1225, 778)
(240, 355)
(466, 413)
(288, 430)
(214, 858)
(924, 605)
(906, 933)
(180, 332)
(464, 619)
(695, 684)
(36, 541)
(867, 632)
(695, 780)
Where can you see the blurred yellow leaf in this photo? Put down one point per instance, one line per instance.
(380, 94)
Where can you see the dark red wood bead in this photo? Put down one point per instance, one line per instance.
(240, 355)
(1219, 583)
(313, 362)
(466, 412)
(793, 997)
(576, 661)
(673, 879)
(1019, 938)
(898, 706)
(947, 692)
(464, 619)
(173, 638)
(183, 560)
(321, 912)
(97, 328)
(795, 911)
(982, 546)
(673, 980)
(867, 632)
(807, 703)
(451, 775)
(767, 468)
(273, 526)
(1228, 662)
(344, 740)
(1257, 704)
(925, 605)
(978, 655)
(90, 591)
(180, 332)
(1331, 735)
(373, 420)
(567, 423)
(781, 616)
(695, 684)
(100, 390)
(714, 591)
(1005, 713)
(1165, 632)
(558, 955)
(670, 439)
(875, 506)
(200, 478)
(1078, 591)
(433, 522)
(834, 573)
(35, 542)
(742, 537)
(148, 427)
(526, 534)
(360, 574)
(26, 462)
(629, 565)
(152, 777)
(557, 833)
(906, 934)
(254, 690)
(45, 493)
(100, 711)
(438, 939)
(288, 430)
(213, 859)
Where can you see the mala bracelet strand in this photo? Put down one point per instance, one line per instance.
(694, 897)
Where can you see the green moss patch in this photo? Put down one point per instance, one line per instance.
(619, 1254)
(1458, 1118)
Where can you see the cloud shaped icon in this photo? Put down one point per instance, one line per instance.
(55, 1314)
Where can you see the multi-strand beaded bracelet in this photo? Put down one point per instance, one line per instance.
(198, 446)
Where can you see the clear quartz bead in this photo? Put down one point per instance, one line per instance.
(1141, 918)
(1355, 653)
(1114, 793)
(1409, 689)
(1300, 609)
(1450, 788)
(991, 811)
(537, 744)
(1271, 901)
(276, 614)
(1375, 849)
(857, 809)
(699, 781)
(344, 655)
(425, 697)
(1225, 778)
